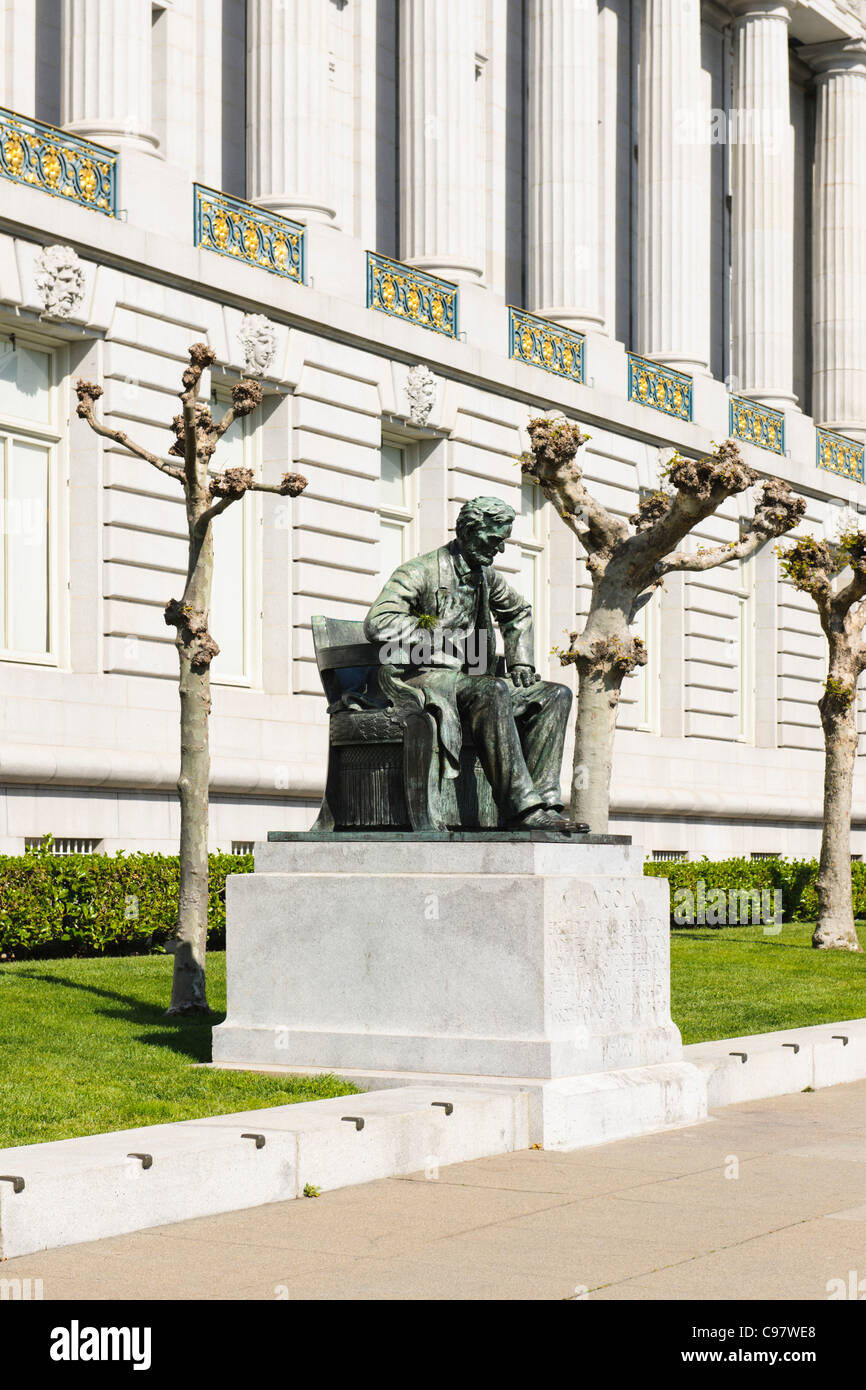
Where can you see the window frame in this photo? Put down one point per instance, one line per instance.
(253, 514)
(53, 435)
(407, 516)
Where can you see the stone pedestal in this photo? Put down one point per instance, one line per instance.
(529, 964)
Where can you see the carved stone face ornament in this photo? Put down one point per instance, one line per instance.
(60, 280)
(257, 336)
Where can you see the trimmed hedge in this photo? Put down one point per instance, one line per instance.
(120, 904)
(795, 878)
(100, 904)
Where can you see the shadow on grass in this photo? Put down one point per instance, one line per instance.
(188, 1036)
(711, 934)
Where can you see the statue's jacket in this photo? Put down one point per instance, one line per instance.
(464, 604)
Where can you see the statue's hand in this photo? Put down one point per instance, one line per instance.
(523, 675)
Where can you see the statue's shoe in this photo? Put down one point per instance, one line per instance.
(543, 818)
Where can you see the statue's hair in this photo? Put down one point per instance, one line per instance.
(481, 509)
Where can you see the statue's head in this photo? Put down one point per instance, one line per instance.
(483, 527)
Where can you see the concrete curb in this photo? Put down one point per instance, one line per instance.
(74, 1190)
(762, 1065)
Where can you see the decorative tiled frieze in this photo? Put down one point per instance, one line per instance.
(58, 163)
(757, 424)
(839, 455)
(545, 345)
(407, 293)
(248, 233)
(659, 387)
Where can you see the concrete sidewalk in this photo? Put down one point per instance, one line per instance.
(765, 1200)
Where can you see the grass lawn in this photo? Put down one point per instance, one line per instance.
(84, 1048)
(728, 981)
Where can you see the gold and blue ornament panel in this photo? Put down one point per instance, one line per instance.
(661, 388)
(406, 293)
(757, 424)
(546, 345)
(838, 454)
(248, 233)
(57, 162)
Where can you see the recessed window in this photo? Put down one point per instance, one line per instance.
(765, 854)
(242, 846)
(669, 855)
(233, 601)
(62, 844)
(396, 508)
(28, 448)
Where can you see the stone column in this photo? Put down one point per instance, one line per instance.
(18, 56)
(839, 222)
(287, 108)
(107, 72)
(441, 199)
(673, 189)
(762, 213)
(563, 253)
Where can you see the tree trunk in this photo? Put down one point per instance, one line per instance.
(597, 704)
(188, 994)
(834, 929)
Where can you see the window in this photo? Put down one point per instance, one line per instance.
(744, 582)
(28, 503)
(234, 606)
(529, 531)
(64, 844)
(397, 539)
(242, 846)
(672, 856)
(764, 854)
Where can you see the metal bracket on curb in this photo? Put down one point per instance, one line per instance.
(444, 1105)
(146, 1159)
(17, 1183)
(795, 1046)
(356, 1120)
(743, 1056)
(259, 1138)
(840, 1037)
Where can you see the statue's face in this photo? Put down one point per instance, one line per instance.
(482, 543)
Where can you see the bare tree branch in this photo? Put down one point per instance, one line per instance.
(246, 396)
(88, 393)
(553, 464)
(231, 485)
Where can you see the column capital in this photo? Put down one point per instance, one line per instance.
(838, 56)
(763, 9)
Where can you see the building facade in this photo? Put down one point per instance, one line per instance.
(420, 222)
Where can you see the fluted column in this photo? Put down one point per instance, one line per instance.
(839, 225)
(107, 71)
(287, 108)
(563, 253)
(673, 189)
(762, 206)
(441, 200)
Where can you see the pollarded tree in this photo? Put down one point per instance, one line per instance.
(206, 495)
(627, 561)
(819, 568)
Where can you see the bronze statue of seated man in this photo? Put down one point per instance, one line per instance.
(434, 623)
